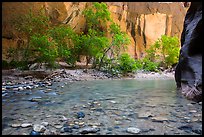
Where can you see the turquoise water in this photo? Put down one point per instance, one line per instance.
(111, 100)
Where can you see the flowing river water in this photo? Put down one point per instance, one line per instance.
(110, 106)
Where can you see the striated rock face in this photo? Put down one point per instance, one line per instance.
(144, 22)
(188, 72)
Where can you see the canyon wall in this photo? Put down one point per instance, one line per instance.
(188, 73)
(144, 22)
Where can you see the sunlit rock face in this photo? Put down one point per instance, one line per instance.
(144, 22)
(188, 72)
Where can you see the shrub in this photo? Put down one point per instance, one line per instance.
(165, 50)
(127, 64)
(149, 65)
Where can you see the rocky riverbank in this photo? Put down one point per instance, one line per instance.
(18, 80)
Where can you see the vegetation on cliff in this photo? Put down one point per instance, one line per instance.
(102, 42)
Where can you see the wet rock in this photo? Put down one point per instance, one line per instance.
(39, 128)
(197, 131)
(28, 87)
(75, 127)
(28, 77)
(187, 128)
(81, 123)
(94, 124)
(147, 130)
(15, 125)
(80, 114)
(64, 118)
(20, 88)
(58, 126)
(133, 130)
(24, 125)
(112, 101)
(34, 133)
(118, 122)
(145, 115)
(200, 103)
(116, 127)
(159, 119)
(109, 129)
(66, 129)
(45, 124)
(15, 89)
(87, 130)
(192, 111)
(36, 99)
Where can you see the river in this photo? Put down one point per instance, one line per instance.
(112, 106)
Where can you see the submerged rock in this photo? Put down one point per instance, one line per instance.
(80, 114)
(15, 125)
(87, 130)
(159, 119)
(66, 129)
(26, 125)
(133, 130)
(39, 128)
(34, 133)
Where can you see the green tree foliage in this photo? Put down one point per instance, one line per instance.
(165, 50)
(96, 44)
(32, 27)
(96, 17)
(44, 50)
(127, 64)
(44, 42)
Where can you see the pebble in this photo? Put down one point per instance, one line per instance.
(145, 115)
(87, 130)
(58, 126)
(192, 111)
(15, 89)
(197, 131)
(80, 114)
(159, 119)
(34, 133)
(45, 124)
(189, 104)
(81, 123)
(64, 118)
(94, 124)
(36, 99)
(39, 128)
(116, 127)
(200, 103)
(133, 130)
(194, 119)
(24, 125)
(15, 125)
(66, 129)
(20, 88)
(28, 87)
(75, 126)
(112, 101)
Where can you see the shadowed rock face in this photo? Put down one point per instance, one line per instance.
(188, 74)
